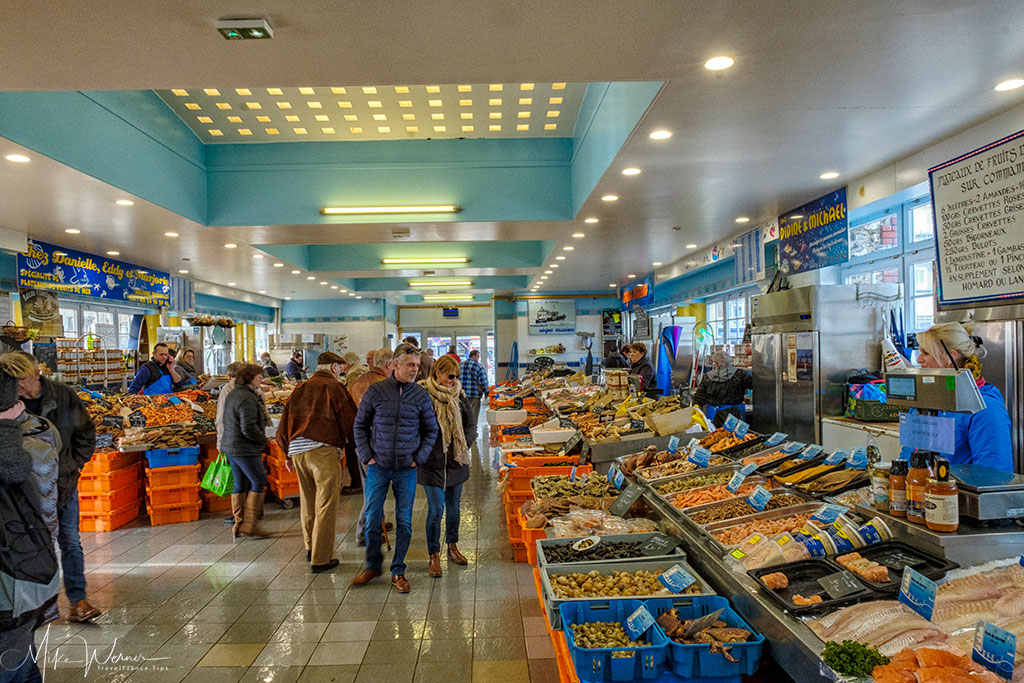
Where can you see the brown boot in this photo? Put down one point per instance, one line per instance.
(435, 565)
(455, 556)
(400, 584)
(238, 510)
(82, 612)
(364, 577)
(250, 524)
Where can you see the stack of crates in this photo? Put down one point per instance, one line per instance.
(172, 485)
(211, 501)
(282, 483)
(108, 491)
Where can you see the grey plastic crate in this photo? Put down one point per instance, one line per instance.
(544, 543)
(657, 566)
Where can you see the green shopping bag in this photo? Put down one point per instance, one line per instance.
(218, 478)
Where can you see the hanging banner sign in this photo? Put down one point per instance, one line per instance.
(640, 294)
(551, 316)
(978, 209)
(814, 235)
(51, 268)
(749, 256)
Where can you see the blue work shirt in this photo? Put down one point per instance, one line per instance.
(982, 438)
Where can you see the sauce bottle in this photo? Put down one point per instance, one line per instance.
(942, 501)
(898, 489)
(917, 479)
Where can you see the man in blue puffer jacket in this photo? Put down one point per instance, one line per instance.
(395, 429)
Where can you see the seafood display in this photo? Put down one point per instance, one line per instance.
(930, 664)
(711, 494)
(721, 439)
(695, 482)
(612, 550)
(680, 466)
(593, 485)
(867, 569)
(716, 635)
(650, 457)
(605, 635)
(775, 581)
(832, 481)
(763, 459)
(887, 625)
(803, 475)
(769, 527)
(594, 584)
(739, 507)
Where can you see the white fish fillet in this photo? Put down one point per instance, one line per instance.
(1009, 579)
(953, 616)
(869, 614)
(968, 589)
(1011, 604)
(914, 640)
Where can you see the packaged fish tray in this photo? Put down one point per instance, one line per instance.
(803, 579)
(894, 556)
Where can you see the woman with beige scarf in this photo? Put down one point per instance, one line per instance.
(447, 468)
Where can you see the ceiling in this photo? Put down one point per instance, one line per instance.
(849, 87)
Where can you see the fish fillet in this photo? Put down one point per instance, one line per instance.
(1011, 604)
(871, 614)
(1009, 579)
(953, 616)
(968, 589)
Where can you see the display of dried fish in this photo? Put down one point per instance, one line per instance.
(716, 634)
(832, 481)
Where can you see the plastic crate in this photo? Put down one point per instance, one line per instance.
(110, 481)
(597, 664)
(283, 475)
(172, 457)
(108, 521)
(172, 495)
(173, 476)
(172, 514)
(109, 501)
(692, 661)
(520, 476)
(283, 489)
(103, 463)
(518, 552)
(214, 503)
(530, 538)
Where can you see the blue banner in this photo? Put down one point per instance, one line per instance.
(640, 293)
(814, 235)
(52, 268)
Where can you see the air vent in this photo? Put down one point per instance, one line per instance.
(429, 272)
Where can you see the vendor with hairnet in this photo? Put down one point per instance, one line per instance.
(720, 393)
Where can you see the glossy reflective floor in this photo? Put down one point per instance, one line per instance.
(185, 603)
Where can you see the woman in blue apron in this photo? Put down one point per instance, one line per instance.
(720, 393)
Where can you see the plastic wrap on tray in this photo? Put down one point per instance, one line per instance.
(596, 523)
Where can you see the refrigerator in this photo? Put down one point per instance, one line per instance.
(311, 345)
(805, 342)
(186, 337)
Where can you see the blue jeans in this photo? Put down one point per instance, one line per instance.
(403, 483)
(72, 559)
(248, 473)
(447, 502)
(18, 657)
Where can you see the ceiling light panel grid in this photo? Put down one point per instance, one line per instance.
(393, 112)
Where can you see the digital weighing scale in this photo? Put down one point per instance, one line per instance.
(988, 494)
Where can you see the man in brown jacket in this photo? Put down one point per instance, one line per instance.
(314, 427)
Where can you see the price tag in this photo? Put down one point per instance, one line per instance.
(113, 421)
(619, 479)
(137, 419)
(676, 579)
(840, 584)
(566, 423)
(637, 623)
(625, 500)
(659, 544)
(104, 440)
(673, 444)
(759, 498)
(775, 439)
(811, 452)
(174, 400)
(918, 592)
(571, 443)
(994, 649)
(791, 447)
(572, 473)
(837, 457)
(741, 429)
(858, 459)
(637, 425)
(731, 423)
(586, 543)
(745, 547)
(737, 478)
(700, 457)
(612, 470)
(828, 513)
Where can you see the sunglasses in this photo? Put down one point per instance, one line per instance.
(452, 376)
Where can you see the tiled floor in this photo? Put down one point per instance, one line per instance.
(186, 603)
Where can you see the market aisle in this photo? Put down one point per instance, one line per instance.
(218, 611)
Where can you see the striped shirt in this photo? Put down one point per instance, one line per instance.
(301, 445)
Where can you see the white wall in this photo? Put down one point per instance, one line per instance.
(362, 335)
(415, 318)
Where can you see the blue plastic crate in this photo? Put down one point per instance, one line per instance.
(697, 661)
(172, 457)
(597, 664)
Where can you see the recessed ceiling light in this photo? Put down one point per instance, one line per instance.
(334, 286)
(742, 219)
(230, 245)
(124, 202)
(543, 277)
(279, 265)
(170, 234)
(559, 258)
(113, 253)
(548, 272)
(579, 235)
(661, 134)
(656, 264)
(18, 158)
(719, 63)
(183, 271)
(829, 175)
(231, 284)
(310, 277)
(613, 285)
(351, 293)
(554, 265)
(610, 198)
(296, 272)
(568, 248)
(631, 171)
(72, 231)
(631, 276)
(590, 220)
(323, 282)
(287, 298)
(262, 291)
(691, 246)
(1011, 84)
(360, 297)
(257, 256)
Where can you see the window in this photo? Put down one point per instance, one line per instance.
(261, 339)
(124, 326)
(922, 295)
(716, 320)
(875, 276)
(881, 234)
(922, 227)
(70, 318)
(728, 317)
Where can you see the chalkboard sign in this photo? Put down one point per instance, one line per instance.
(104, 440)
(517, 403)
(115, 421)
(625, 500)
(637, 425)
(571, 443)
(566, 423)
(46, 354)
(659, 544)
(137, 419)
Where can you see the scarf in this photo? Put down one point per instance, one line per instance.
(449, 416)
(722, 373)
(974, 365)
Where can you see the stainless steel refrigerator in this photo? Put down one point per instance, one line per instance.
(805, 342)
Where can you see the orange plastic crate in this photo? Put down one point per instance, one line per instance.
(102, 463)
(110, 481)
(172, 476)
(108, 521)
(108, 502)
(283, 475)
(518, 552)
(283, 489)
(158, 496)
(171, 514)
(214, 503)
(530, 537)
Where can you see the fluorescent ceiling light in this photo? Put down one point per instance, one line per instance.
(262, 291)
(257, 256)
(183, 271)
(113, 253)
(796, 216)
(656, 264)
(442, 283)
(447, 297)
(366, 210)
(310, 277)
(231, 284)
(554, 265)
(543, 277)
(742, 219)
(1011, 84)
(613, 285)
(358, 297)
(829, 175)
(18, 158)
(719, 63)
(230, 245)
(631, 276)
(691, 246)
(610, 198)
(124, 202)
(72, 231)
(296, 272)
(592, 219)
(568, 248)
(559, 258)
(170, 234)
(548, 272)
(631, 171)
(440, 259)
(579, 235)
(661, 134)
(323, 282)
(279, 265)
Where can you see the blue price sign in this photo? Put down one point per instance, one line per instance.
(838, 457)
(811, 451)
(791, 447)
(995, 649)
(737, 478)
(619, 479)
(700, 457)
(731, 422)
(612, 470)
(858, 459)
(676, 579)
(828, 513)
(741, 429)
(918, 592)
(174, 400)
(759, 498)
(572, 473)
(775, 439)
(673, 444)
(638, 622)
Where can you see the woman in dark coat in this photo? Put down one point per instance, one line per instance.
(447, 467)
(720, 393)
(245, 437)
(641, 366)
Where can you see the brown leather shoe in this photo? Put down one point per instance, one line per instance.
(400, 584)
(364, 577)
(82, 612)
(455, 556)
(435, 565)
